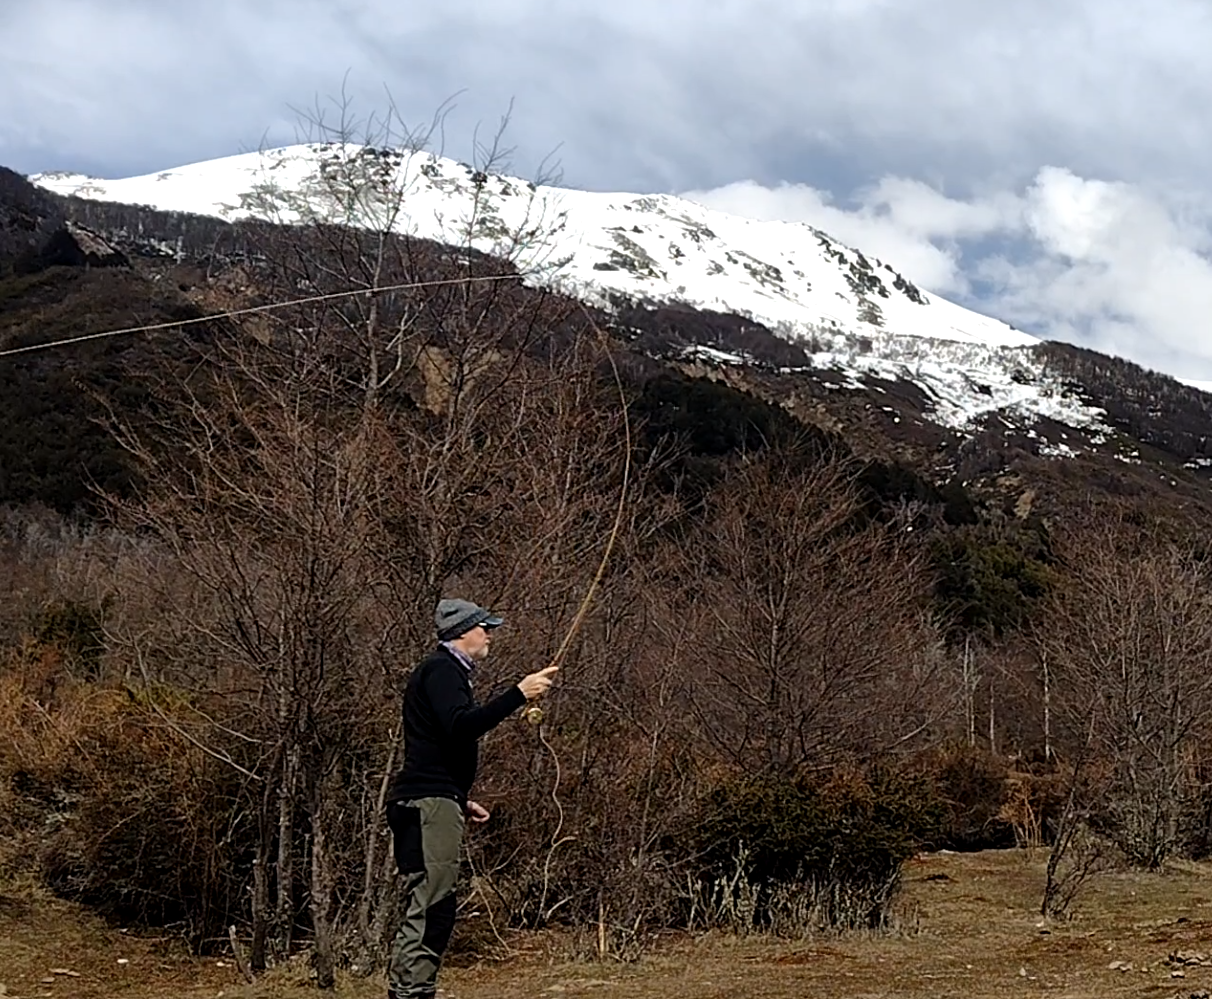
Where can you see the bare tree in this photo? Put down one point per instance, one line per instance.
(381, 210)
(314, 534)
(1078, 852)
(1128, 642)
(810, 636)
(264, 497)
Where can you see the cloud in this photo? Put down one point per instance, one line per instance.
(1111, 265)
(1118, 267)
(643, 94)
(901, 221)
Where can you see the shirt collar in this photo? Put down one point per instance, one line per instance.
(459, 654)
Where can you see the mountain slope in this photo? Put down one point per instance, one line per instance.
(789, 276)
(847, 311)
(816, 327)
(1030, 427)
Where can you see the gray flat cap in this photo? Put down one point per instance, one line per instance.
(457, 617)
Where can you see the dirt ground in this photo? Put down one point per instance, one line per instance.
(972, 931)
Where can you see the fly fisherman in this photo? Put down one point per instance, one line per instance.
(427, 802)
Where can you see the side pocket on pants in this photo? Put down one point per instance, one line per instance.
(439, 924)
(405, 822)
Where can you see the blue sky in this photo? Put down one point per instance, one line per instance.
(1044, 161)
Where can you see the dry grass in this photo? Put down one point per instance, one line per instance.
(977, 935)
(38, 934)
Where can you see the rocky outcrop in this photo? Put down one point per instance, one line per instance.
(74, 245)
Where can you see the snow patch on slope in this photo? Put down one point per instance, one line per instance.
(965, 382)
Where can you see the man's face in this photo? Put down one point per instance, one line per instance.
(475, 643)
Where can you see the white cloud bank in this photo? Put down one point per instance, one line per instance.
(640, 94)
(1111, 265)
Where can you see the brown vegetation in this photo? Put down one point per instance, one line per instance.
(801, 667)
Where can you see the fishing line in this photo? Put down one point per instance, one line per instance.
(534, 714)
(253, 309)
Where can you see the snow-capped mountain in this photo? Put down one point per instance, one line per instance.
(851, 312)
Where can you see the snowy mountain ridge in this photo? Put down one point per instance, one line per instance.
(850, 312)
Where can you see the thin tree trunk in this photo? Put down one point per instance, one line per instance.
(258, 958)
(322, 893)
(284, 910)
(969, 676)
(370, 943)
(383, 928)
(260, 908)
(262, 916)
(992, 718)
(1047, 706)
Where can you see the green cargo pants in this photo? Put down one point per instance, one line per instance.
(427, 834)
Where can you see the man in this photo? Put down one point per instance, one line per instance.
(428, 800)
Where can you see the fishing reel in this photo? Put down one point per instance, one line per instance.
(533, 714)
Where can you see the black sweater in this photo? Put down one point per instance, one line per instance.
(442, 726)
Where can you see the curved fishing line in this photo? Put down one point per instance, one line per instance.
(536, 718)
(254, 309)
(562, 651)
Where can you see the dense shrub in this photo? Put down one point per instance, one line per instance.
(972, 788)
(1195, 829)
(112, 808)
(708, 422)
(890, 484)
(76, 629)
(794, 852)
